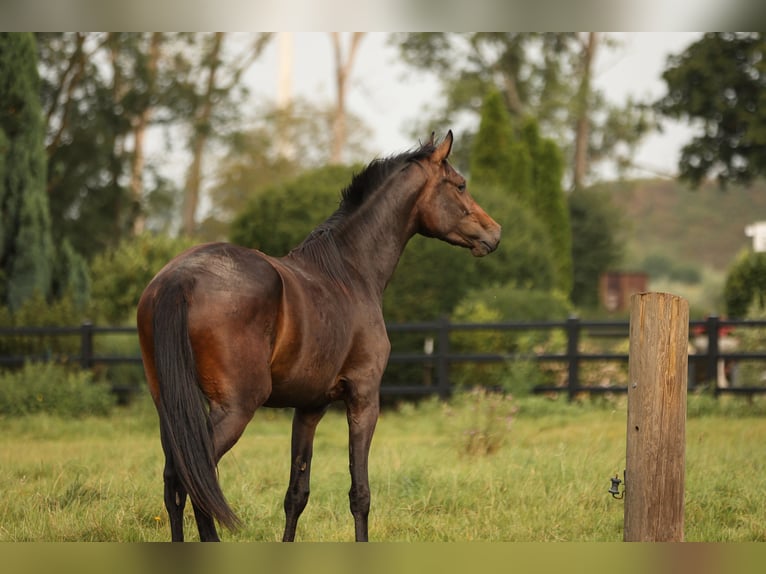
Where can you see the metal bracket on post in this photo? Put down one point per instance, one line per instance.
(614, 490)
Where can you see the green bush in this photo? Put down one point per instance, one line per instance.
(746, 284)
(53, 389)
(751, 340)
(660, 265)
(37, 312)
(121, 274)
(507, 303)
(280, 217)
(481, 420)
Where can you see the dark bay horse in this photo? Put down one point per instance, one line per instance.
(225, 330)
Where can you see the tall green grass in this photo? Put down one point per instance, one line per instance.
(546, 479)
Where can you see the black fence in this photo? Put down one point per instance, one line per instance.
(711, 363)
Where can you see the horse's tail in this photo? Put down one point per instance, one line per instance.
(183, 409)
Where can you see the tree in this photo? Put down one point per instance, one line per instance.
(596, 242)
(102, 94)
(492, 157)
(431, 278)
(26, 245)
(256, 161)
(719, 84)
(548, 75)
(206, 95)
(582, 111)
(745, 287)
(140, 126)
(202, 111)
(513, 158)
(281, 216)
(98, 92)
(343, 68)
(549, 202)
(121, 273)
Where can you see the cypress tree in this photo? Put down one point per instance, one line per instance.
(549, 201)
(26, 246)
(522, 163)
(491, 161)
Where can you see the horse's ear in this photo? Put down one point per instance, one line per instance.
(432, 139)
(442, 150)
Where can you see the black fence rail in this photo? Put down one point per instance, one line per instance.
(712, 357)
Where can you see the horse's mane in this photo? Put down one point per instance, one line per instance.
(364, 183)
(321, 245)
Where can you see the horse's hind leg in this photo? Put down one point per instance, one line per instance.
(228, 426)
(304, 427)
(175, 494)
(205, 526)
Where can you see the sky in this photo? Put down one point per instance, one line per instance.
(388, 96)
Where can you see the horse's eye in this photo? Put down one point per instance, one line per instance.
(461, 187)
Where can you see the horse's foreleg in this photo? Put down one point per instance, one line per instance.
(297, 496)
(362, 418)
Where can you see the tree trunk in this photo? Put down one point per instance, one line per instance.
(139, 132)
(201, 129)
(285, 148)
(582, 124)
(119, 89)
(67, 83)
(342, 72)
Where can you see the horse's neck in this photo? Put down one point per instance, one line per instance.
(375, 235)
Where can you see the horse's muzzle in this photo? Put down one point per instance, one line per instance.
(487, 244)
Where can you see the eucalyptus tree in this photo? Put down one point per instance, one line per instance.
(545, 75)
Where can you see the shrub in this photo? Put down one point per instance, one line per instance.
(53, 389)
(36, 312)
(482, 420)
(507, 303)
(121, 274)
(746, 283)
(751, 340)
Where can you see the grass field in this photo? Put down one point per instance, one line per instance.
(431, 480)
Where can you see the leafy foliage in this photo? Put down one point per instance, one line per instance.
(597, 244)
(514, 159)
(506, 303)
(719, 82)
(539, 74)
(751, 340)
(37, 312)
(282, 215)
(26, 244)
(660, 265)
(432, 277)
(483, 420)
(549, 201)
(492, 157)
(121, 274)
(53, 389)
(88, 115)
(746, 284)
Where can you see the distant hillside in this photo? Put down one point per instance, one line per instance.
(704, 227)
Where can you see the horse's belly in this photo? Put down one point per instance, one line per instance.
(306, 375)
(304, 393)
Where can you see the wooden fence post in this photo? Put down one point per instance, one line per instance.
(442, 358)
(573, 351)
(86, 345)
(656, 431)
